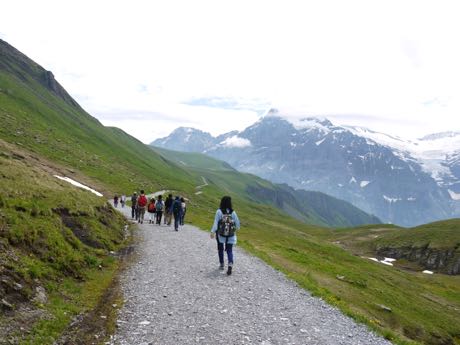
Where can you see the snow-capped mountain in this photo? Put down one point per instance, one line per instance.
(194, 139)
(400, 181)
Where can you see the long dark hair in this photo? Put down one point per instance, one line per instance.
(226, 204)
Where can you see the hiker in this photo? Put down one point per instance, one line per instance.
(168, 209)
(115, 201)
(151, 210)
(184, 209)
(141, 205)
(226, 223)
(159, 206)
(177, 212)
(134, 205)
(123, 200)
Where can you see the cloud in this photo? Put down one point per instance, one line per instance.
(236, 141)
(259, 106)
(161, 121)
(164, 68)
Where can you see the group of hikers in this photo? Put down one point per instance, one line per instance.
(158, 209)
(224, 228)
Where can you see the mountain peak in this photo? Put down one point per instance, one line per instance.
(186, 130)
(194, 139)
(273, 112)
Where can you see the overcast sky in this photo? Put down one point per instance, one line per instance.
(151, 66)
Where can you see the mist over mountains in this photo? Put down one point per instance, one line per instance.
(406, 182)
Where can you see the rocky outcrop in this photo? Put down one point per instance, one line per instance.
(51, 84)
(444, 261)
(16, 63)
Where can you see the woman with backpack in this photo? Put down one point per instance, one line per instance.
(152, 211)
(159, 208)
(226, 223)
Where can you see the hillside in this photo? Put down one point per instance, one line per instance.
(57, 240)
(310, 207)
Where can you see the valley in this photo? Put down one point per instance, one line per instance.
(59, 239)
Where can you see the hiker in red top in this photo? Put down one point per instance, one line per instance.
(152, 211)
(141, 203)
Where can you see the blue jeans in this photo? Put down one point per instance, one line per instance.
(228, 249)
(176, 221)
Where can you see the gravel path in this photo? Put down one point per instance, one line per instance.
(175, 294)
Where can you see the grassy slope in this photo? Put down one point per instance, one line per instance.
(424, 308)
(38, 250)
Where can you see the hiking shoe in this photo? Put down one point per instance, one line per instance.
(229, 270)
(221, 267)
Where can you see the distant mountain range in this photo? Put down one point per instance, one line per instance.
(400, 181)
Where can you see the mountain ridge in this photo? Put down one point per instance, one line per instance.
(297, 152)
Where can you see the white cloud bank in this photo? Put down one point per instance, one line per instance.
(391, 66)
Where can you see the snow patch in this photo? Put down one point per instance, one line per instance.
(453, 195)
(78, 184)
(385, 261)
(293, 144)
(311, 123)
(430, 152)
(391, 200)
(352, 180)
(427, 272)
(236, 141)
(364, 183)
(320, 142)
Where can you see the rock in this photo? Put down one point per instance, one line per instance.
(17, 286)
(6, 305)
(40, 295)
(388, 309)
